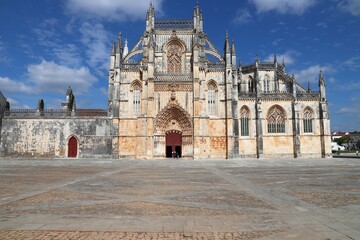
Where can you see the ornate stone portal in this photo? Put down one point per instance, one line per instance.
(173, 119)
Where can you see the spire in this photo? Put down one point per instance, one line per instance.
(126, 49)
(113, 49)
(227, 45)
(257, 61)
(321, 79)
(119, 44)
(275, 58)
(283, 62)
(233, 51)
(309, 87)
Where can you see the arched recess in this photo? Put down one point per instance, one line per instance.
(72, 146)
(135, 91)
(212, 97)
(276, 119)
(244, 121)
(251, 84)
(173, 119)
(308, 116)
(175, 55)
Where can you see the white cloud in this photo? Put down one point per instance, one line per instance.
(351, 6)
(123, 10)
(283, 6)
(15, 104)
(242, 16)
(311, 74)
(51, 77)
(97, 41)
(288, 56)
(8, 85)
(67, 54)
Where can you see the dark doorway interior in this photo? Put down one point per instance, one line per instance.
(168, 151)
(178, 150)
(173, 143)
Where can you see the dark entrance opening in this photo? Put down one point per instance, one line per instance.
(72, 147)
(173, 144)
(169, 151)
(178, 150)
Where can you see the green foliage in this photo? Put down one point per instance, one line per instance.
(342, 140)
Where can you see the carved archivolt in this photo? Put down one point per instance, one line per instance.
(173, 117)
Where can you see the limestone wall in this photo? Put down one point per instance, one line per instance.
(39, 137)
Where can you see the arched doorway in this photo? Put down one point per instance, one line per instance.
(72, 147)
(173, 132)
(173, 143)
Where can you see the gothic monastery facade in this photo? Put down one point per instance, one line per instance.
(174, 92)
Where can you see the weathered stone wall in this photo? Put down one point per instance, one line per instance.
(39, 137)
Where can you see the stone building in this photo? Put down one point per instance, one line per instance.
(173, 91)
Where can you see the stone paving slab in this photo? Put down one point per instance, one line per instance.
(180, 199)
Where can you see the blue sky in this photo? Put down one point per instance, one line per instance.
(47, 45)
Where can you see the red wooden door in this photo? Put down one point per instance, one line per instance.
(173, 141)
(72, 147)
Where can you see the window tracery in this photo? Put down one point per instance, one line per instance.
(174, 53)
(136, 99)
(211, 99)
(308, 116)
(244, 121)
(276, 120)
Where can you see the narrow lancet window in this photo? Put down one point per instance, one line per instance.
(244, 121)
(211, 99)
(136, 100)
(308, 116)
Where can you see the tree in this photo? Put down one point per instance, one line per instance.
(342, 140)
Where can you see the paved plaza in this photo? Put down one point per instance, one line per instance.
(180, 199)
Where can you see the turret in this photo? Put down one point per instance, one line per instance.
(227, 51)
(119, 51)
(126, 49)
(322, 88)
(293, 85)
(256, 77)
(309, 88)
(112, 56)
(198, 18)
(275, 60)
(150, 18)
(233, 55)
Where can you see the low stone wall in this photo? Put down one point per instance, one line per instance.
(49, 137)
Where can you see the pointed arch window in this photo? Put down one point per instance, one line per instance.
(174, 57)
(136, 99)
(276, 120)
(244, 121)
(211, 99)
(266, 84)
(251, 84)
(308, 120)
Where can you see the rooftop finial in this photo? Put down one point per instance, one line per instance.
(321, 78)
(227, 45)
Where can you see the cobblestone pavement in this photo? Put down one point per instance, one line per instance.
(60, 235)
(180, 199)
